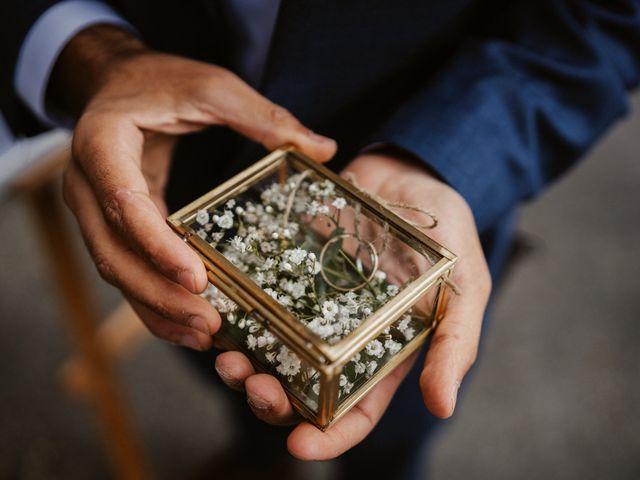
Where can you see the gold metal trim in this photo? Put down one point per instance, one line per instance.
(328, 359)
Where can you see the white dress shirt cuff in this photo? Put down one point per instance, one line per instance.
(44, 43)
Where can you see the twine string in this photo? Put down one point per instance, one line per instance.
(350, 176)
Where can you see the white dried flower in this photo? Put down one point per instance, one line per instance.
(404, 323)
(202, 217)
(268, 264)
(295, 255)
(237, 243)
(339, 203)
(375, 348)
(329, 309)
(380, 275)
(289, 362)
(225, 221)
(392, 346)
(286, 267)
(392, 290)
(409, 333)
(320, 327)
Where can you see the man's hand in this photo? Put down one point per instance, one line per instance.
(132, 102)
(454, 345)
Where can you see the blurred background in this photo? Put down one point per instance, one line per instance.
(555, 393)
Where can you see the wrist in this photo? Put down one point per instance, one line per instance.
(87, 63)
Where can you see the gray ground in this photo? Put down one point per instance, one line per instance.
(555, 393)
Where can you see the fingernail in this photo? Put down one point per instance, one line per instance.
(319, 138)
(258, 403)
(454, 397)
(200, 324)
(187, 279)
(191, 342)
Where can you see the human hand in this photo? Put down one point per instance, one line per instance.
(132, 102)
(453, 347)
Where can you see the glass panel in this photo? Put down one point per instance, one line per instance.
(244, 332)
(307, 244)
(377, 353)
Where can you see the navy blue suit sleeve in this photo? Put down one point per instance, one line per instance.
(18, 16)
(520, 102)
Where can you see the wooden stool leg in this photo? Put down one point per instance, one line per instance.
(119, 334)
(81, 315)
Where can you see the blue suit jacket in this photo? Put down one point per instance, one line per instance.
(498, 96)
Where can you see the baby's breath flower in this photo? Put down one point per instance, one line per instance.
(329, 309)
(380, 275)
(409, 333)
(216, 237)
(238, 244)
(289, 362)
(295, 255)
(339, 203)
(284, 300)
(225, 221)
(392, 346)
(285, 267)
(320, 327)
(268, 264)
(375, 348)
(202, 217)
(252, 342)
(392, 290)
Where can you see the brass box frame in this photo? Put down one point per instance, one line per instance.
(328, 359)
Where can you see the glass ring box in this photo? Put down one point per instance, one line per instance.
(317, 282)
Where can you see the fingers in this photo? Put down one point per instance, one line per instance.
(265, 395)
(237, 105)
(123, 268)
(234, 368)
(172, 332)
(454, 346)
(109, 148)
(268, 401)
(306, 442)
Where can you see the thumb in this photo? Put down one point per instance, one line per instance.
(244, 110)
